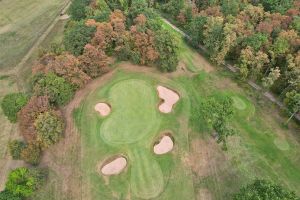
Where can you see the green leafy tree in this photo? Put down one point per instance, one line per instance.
(230, 7)
(268, 81)
(7, 195)
(280, 6)
(15, 148)
(12, 104)
(292, 101)
(166, 45)
(256, 41)
(56, 88)
(195, 30)
(76, 36)
(24, 182)
(49, 127)
(264, 190)
(77, 9)
(218, 112)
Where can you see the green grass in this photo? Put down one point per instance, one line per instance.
(21, 23)
(135, 115)
(132, 101)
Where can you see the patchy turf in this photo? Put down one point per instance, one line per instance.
(21, 23)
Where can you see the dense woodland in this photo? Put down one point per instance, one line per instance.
(261, 39)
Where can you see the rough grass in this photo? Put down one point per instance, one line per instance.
(147, 175)
(21, 23)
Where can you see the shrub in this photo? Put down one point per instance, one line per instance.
(12, 104)
(49, 127)
(15, 148)
(32, 153)
(29, 113)
(77, 36)
(23, 181)
(56, 88)
(7, 195)
(261, 189)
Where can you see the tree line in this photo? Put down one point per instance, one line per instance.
(260, 37)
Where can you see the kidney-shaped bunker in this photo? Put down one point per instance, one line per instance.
(103, 108)
(165, 145)
(169, 98)
(114, 167)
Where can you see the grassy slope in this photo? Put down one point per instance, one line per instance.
(171, 164)
(252, 152)
(21, 23)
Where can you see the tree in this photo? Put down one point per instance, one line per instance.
(7, 195)
(264, 190)
(49, 126)
(77, 9)
(230, 7)
(173, 7)
(268, 81)
(166, 45)
(256, 41)
(29, 113)
(23, 181)
(93, 62)
(32, 153)
(213, 34)
(12, 104)
(15, 148)
(280, 6)
(76, 36)
(195, 30)
(66, 66)
(56, 88)
(218, 112)
(292, 101)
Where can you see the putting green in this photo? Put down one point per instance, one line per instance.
(282, 144)
(238, 103)
(134, 112)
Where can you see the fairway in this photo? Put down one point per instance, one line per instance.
(134, 110)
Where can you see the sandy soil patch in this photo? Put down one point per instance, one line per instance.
(64, 17)
(169, 98)
(114, 167)
(103, 108)
(5, 28)
(164, 146)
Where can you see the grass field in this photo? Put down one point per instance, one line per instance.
(21, 23)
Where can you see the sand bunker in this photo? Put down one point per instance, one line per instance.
(103, 108)
(165, 145)
(169, 98)
(114, 167)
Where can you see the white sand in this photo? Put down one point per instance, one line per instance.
(169, 98)
(103, 108)
(114, 167)
(164, 146)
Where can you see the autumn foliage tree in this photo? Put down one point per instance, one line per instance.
(94, 61)
(28, 115)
